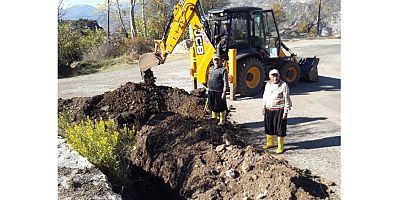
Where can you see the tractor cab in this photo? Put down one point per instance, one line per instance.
(254, 34)
(247, 29)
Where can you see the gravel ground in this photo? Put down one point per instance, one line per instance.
(79, 179)
(313, 139)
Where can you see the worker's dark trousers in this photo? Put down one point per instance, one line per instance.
(215, 102)
(274, 124)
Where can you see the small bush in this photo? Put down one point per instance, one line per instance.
(118, 46)
(64, 120)
(280, 15)
(92, 39)
(313, 31)
(301, 27)
(69, 48)
(102, 143)
(74, 41)
(138, 45)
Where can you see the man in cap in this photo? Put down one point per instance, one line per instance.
(217, 87)
(224, 31)
(276, 104)
(222, 40)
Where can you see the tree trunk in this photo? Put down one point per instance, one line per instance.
(144, 21)
(61, 11)
(122, 21)
(108, 19)
(132, 21)
(319, 15)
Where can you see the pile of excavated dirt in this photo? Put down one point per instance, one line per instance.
(181, 154)
(134, 104)
(199, 160)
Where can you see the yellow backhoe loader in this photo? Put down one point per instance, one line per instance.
(247, 38)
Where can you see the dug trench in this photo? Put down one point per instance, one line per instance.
(180, 153)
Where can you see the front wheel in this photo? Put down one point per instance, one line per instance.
(290, 73)
(250, 76)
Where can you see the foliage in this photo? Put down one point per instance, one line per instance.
(139, 26)
(301, 27)
(64, 120)
(69, 48)
(158, 13)
(279, 13)
(92, 39)
(305, 16)
(74, 41)
(102, 143)
(304, 27)
(208, 4)
(117, 46)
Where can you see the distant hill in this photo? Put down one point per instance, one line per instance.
(92, 13)
(83, 11)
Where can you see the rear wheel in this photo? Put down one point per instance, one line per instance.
(290, 73)
(250, 76)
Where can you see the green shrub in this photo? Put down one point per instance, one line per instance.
(279, 12)
(92, 39)
(313, 31)
(69, 48)
(301, 27)
(118, 46)
(64, 120)
(73, 42)
(102, 143)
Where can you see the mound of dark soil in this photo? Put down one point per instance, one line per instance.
(199, 160)
(181, 154)
(134, 104)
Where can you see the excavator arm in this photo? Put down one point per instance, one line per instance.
(185, 12)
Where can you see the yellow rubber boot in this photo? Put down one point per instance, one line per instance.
(214, 115)
(222, 116)
(269, 142)
(280, 145)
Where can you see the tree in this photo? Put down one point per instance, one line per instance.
(308, 14)
(158, 13)
(144, 21)
(121, 20)
(278, 12)
(209, 4)
(132, 18)
(69, 48)
(157, 16)
(61, 11)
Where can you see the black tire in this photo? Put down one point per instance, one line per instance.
(290, 73)
(250, 76)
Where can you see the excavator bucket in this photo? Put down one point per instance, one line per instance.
(309, 69)
(147, 61)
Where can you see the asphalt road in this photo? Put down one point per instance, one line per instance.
(313, 140)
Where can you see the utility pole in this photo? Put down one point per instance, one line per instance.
(319, 17)
(108, 19)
